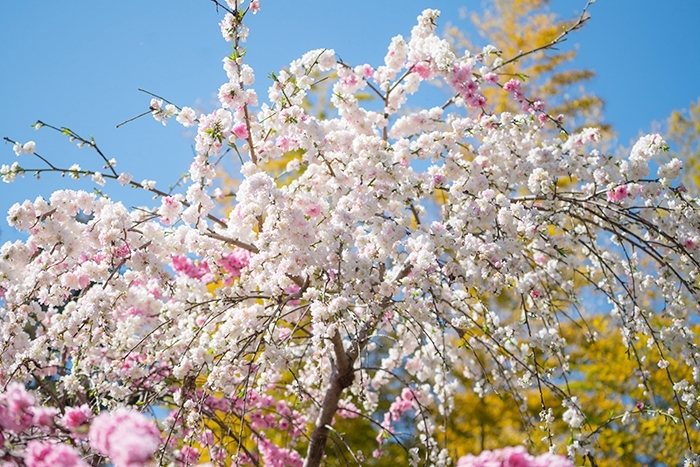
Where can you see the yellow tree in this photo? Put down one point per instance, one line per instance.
(630, 413)
(684, 132)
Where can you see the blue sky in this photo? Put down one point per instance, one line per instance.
(79, 64)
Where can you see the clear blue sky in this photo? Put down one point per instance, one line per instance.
(79, 63)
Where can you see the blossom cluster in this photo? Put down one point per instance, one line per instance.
(35, 435)
(515, 456)
(378, 272)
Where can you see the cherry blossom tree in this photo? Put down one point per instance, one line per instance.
(348, 297)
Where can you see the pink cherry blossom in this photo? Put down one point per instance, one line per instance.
(513, 457)
(16, 408)
(240, 130)
(618, 194)
(76, 417)
(127, 437)
(40, 454)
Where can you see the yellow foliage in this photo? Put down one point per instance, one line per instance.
(684, 133)
(605, 377)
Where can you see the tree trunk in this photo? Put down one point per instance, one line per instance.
(341, 379)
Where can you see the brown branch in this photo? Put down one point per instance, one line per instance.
(342, 377)
(233, 241)
(562, 37)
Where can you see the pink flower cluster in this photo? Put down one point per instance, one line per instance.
(267, 417)
(47, 454)
(125, 436)
(190, 268)
(406, 401)
(617, 194)
(534, 106)
(234, 262)
(513, 457)
(467, 86)
(16, 408)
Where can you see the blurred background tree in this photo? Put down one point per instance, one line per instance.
(683, 132)
(630, 416)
